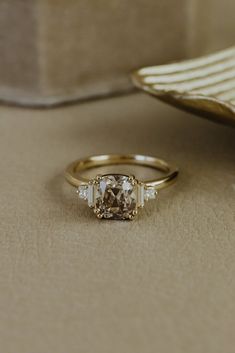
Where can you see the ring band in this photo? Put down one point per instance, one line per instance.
(118, 196)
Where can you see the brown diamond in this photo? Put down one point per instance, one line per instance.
(116, 197)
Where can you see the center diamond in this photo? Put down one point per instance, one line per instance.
(116, 197)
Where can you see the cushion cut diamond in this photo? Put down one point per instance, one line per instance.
(116, 197)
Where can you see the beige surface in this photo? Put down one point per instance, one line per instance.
(70, 283)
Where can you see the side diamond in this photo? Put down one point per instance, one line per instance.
(90, 194)
(82, 192)
(150, 194)
(141, 192)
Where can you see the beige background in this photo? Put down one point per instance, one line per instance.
(80, 49)
(211, 25)
(66, 50)
(70, 283)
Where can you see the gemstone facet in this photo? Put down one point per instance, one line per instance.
(82, 192)
(150, 194)
(116, 197)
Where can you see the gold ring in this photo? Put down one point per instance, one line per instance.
(118, 196)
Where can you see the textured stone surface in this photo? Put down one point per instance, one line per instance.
(116, 197)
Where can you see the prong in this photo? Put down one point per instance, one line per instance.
(99, 215)
(98, 177)
(132, 214)
(132, 180)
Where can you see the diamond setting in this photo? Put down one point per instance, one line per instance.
(116, 197)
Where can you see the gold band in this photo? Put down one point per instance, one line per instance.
(73, 177)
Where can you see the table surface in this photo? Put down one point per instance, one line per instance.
(70, 283)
